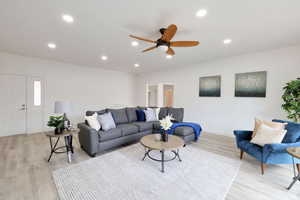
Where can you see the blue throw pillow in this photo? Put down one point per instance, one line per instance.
(293, 131)
(140, 115)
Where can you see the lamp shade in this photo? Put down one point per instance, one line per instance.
(62, 107)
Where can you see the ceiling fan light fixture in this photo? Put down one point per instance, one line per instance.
(163, 48)
(201, 13)
(136, 65)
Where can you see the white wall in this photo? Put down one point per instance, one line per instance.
(226, 113)
(86, 88)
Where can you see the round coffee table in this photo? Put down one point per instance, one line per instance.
(295, 153)
(152, 142)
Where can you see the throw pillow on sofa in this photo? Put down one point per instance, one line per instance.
(176, 113)
(107, 122)
(119, 115)
(150, 115)
(140, 115)
(267, 135)
(93, 121)
(275, 125)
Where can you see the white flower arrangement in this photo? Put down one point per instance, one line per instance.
(166, 122)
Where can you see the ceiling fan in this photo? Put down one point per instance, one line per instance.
(165, 40)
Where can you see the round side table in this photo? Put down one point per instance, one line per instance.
(67, 148)
(295, 153)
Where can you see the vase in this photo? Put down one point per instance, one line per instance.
(164, 136)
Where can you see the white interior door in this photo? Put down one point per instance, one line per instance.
(35, 104)
(12, 105)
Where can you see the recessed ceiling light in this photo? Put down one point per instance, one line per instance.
(136, 65)
(134, 43)
(169, 56)
(104, 57)
(51, 45)
(201, 13)
(227, 41)
(68, 18)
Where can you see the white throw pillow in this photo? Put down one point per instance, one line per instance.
(93, 121)
(150, 115)
(157, 110)
(268, 135)
(107, 122)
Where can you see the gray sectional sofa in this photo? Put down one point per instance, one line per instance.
(128, 129)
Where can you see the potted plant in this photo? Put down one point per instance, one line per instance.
(291, 98)
(57, 122)
(165, 124)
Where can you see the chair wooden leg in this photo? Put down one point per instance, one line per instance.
(263, 167)
(242, 154)
(298, 167)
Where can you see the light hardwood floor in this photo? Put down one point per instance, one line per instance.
(26, 174)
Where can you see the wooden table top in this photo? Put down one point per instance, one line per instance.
(64, 133)
(153, 142)
(294, 151)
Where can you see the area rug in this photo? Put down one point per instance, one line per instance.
(122, 175)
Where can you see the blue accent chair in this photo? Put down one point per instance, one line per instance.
(270, 153)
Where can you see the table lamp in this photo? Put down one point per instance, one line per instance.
(63, 107)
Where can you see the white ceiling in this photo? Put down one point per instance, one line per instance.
(102, 27)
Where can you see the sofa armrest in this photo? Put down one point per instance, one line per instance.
(88, 138)
(279, 148)
(242, 135)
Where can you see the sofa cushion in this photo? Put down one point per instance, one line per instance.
(90, 113)
(177, 113)
(268, 135)
(141, 117)
(184, 130)
(119, 115)
(107, 122)
(143, 126)
(131, 114)
(93, 121)
(128, 129)
(150, 115)
(163, 112)
(275, 125)
(156, 125)
(110, 134)
(293, 131)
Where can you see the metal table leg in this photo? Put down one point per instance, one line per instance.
(52, 147)
(69, 148)
(162, 161)
(296, 177)
(146, 153)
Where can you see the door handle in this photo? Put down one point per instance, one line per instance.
(23, 107)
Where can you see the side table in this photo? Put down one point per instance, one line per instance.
(295, 153)
(68, 137)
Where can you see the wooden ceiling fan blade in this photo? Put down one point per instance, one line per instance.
(139, 38)
(169, 33)
(149, 49)
(170, 51)
(184, 43)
